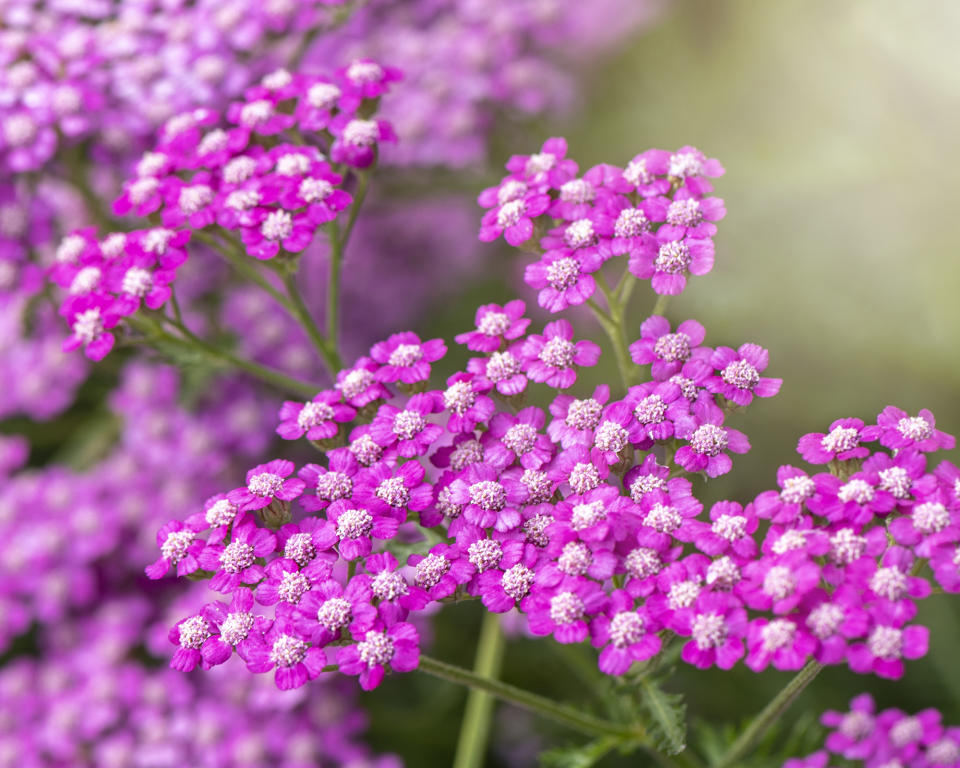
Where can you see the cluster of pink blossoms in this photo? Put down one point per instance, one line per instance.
(656, 211)
(582, 516)
(262, 185)
(888, 739)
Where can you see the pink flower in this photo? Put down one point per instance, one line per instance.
(666, 263)
(552, 356)
(738, 378)
(318, 419)
(494, 325)
(376, 649)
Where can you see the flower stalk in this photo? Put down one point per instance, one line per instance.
(540, 705)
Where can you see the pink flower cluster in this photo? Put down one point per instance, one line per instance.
(892, 738)
(657, 212)
(264, 185)
(109, 279)
(519, 512)
(583, 516)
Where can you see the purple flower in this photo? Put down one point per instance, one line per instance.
(780, 584)
(518, 439)
(626, 634)
(397, 647)
(617, 432)
(503, 371)
(393, 491)
(575, 420)
(179, 546)
(857, 500)
(279, 229)
(688, 216)
(495, 325)
(408, 429)
(404, 358)
(331, 483)
(580, 468)
(513, 219)
(708, 442)
(666, 263)
(563, 610)
(91, 318)
(466, 405)
(235, 563)
(266, 483)
(312, 539)
(564, 278)
(283, 647)
(286, 582)
(237, 627)
(359, 384)
(655, 407)
(665, 350)
(317, 419)
(441, 571)
(787, 504)
(834, 620)
(887, 645)
(356, 526)
(329, 610)
(550, 166)
(739, 374)
(488, 499)
(781, 642)
(716, 625)
(899, 430)
(357, 140)
(855, 729)
(189, 635)
(841, 443)
(731, 531)
(551, 357)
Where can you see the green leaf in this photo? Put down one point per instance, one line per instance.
(583, 756)
(666, 716)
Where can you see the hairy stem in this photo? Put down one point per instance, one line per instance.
(569, 716)
(475, 728)
(770, 714)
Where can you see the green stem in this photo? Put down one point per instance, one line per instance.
(241, 263)
(613, 327)
(660, 308)
(770, 714)
(299, 309)
(338, 246)
(475, 728)
(269, 375)
(532, 702)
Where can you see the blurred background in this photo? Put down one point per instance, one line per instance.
(837, 124)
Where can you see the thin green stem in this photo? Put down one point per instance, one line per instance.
(612, 325)
(301, 312)
(242, 264)
(660, 308)
(569, 716)
(770, 714)
(271, 376)
(338, 247)
(475, 728)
